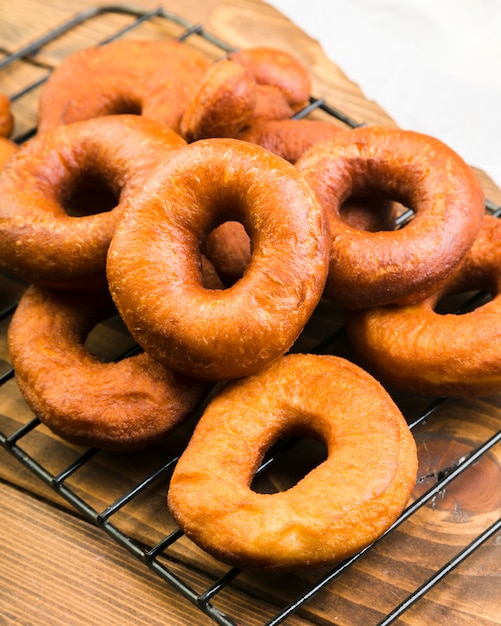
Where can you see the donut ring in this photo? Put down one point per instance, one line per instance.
(223, 104)
(417, 350)
(154, 78)
(117, 406)
(153, 261)
(337, 509)
(372, 269)
(6, 117)
(40, 240)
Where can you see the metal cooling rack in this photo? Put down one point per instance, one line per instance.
(155, 554)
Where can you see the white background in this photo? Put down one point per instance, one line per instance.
(433, 65)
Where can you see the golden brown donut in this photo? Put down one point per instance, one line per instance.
(338, 508)
(6, 116)
(277, 68)
(121, 405)
(153, 263)
(401, 266)
(154, 78)
(417, 350)
(46, 237)
(223, 104)
(7, 149)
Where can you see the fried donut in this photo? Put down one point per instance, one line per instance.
(154, 78)
(153, 263)
(417, 350)
(46, 237)
(401, 266)
(223, 104)
(338, 508)
(6, 116)
(121, 405)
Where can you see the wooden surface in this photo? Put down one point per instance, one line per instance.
(57, 568)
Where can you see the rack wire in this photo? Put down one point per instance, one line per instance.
(155, 553)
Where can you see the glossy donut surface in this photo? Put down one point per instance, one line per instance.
(153, 263)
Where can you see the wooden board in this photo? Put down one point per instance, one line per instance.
(55, 567)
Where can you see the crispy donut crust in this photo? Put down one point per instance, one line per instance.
(416, 350)
(154, 78)
(402, 266)
(39, 240)
(154, 259)
(337, 509)
(117, 406)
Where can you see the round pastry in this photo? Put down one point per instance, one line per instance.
(7, 149)
(153, 263)
(154, 78)
(6, 116)
(62, 192)
(338, 508)
(418, 171)
(121, 405)
(416, 349)
(223, 104)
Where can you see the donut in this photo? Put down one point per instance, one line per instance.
(62, 192)
(7, 149)
(400, 266)
(153, 264)
(337, 509)
(417, 350)
(154, 78)
(278, 69)
(6, 116)
(123, 405)
(223, 104)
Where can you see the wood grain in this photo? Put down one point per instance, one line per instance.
(57, 568)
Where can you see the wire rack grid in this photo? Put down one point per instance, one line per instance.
(73, 482)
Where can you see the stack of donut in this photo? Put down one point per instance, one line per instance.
(182, 196)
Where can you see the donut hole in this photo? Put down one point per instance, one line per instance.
(464, 301)
(293, 458)
(89, 194)
(109, 340)
(228, 248)
(372, 213)
(123, 105)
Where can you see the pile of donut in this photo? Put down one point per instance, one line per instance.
(182, 194)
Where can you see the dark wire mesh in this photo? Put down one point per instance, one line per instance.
(154, 554)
